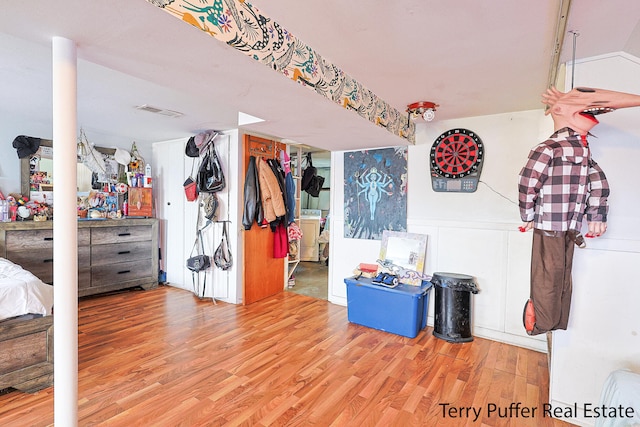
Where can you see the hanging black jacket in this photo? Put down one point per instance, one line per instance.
(252, 204)
(277, 170)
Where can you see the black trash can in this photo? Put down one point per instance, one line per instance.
(453, 306)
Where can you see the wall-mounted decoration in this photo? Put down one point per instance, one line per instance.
(375, 192)
(456, 161)
(242, 26)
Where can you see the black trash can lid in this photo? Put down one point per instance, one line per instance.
(455, 281)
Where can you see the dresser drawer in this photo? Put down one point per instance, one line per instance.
(30, 239)
(39, 239)
(40, 262)
(104, 275)
(120, 252)
(124, 234)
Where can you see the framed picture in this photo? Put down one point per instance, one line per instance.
(404, 254)
(375, 192)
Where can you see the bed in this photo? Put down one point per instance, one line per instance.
(620, 394)
(26, 330)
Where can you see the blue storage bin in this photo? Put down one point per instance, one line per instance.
(401, 310)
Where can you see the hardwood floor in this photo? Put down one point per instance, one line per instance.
(164, 358)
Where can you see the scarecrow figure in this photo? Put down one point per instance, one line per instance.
(559, 185)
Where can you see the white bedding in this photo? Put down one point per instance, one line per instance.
(22, 293)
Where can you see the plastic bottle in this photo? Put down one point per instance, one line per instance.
(147, 176)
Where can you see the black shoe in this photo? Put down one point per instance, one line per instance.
(386, 279)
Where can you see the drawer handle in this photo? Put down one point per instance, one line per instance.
(124, 234)
(124, 272)
(48, 238)
(124, 252)
(48, 260)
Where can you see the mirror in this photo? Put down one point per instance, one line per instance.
(36, 173)
(405, 250)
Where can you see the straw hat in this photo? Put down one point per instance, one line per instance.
(122, 156)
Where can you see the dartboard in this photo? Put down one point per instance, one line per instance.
(455, 155)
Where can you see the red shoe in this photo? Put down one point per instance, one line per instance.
(529, 317)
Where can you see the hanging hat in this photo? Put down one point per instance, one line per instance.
(201, 138)
(190, 149)
(26, 145)
(122, 156)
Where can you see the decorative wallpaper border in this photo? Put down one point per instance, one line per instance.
(241, 25)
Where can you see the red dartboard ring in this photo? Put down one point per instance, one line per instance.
(457, 153)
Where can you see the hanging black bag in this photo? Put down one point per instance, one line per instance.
(316, 185)
(222, 256)
(198, 263)
(210, 175)
(308, 174)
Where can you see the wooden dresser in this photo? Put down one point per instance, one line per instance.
(112, 254)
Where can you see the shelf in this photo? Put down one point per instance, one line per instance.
(296, 171)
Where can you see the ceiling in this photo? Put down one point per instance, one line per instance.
(471, 57)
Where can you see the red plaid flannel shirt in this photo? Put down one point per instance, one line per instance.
(560, 183)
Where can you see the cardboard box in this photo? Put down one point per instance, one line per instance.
(401, 310)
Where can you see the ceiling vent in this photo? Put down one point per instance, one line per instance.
(161, 111)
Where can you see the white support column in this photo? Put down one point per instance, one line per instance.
(65, 233)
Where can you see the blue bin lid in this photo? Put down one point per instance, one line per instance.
(401, 288)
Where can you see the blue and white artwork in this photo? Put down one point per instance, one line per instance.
(375, 192)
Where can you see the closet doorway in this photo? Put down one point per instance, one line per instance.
(311, 275)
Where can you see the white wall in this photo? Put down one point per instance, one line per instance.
(469, 233)
(604, 327)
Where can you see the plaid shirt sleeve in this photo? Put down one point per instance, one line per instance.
(597, 203)
(532, 177)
